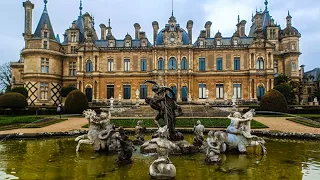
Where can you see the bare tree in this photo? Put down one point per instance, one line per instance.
(5, 77)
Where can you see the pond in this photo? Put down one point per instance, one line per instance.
(57, 159)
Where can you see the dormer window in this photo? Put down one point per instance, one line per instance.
(235, 43)
(143, 43)
(45, 34)
(201, 43)
(45, 44)
(127, 44)
(111, 44)
(172, 27)
(73, 37)
(218, 43)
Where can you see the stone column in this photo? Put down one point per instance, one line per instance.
(267, 89)
(250, 89)
(272, 83)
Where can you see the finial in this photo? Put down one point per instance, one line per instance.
(45, 5)
(288, 13)
(80, 8)
(266, 4)
(256, 9)
(93, 23)
(238, 19)
(172, 9)
(109, 23)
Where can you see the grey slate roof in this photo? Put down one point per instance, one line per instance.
(43, 20)
(119, 43)
(265, 22)
(315, 73)
(227, 41)
(185, 37)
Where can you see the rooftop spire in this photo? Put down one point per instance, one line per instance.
(109, 23)
(45, 6)
(238, 19)
(80, 8)
(172, 9)
(266, 4)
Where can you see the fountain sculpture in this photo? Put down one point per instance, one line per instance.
(198, 132)
(139, 130)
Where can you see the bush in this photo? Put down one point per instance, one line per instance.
(285, 89)
(274, 101)
(20, 90)
(66, 90)
(76, 102)
(13, 100)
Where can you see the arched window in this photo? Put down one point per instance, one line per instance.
(172, 63)
(260, 63)
(260, 92)
(174, 89)
(160, 64)
(89, 66)
(184, 64)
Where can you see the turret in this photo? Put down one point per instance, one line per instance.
(189, 28)
(289, 18)
(137, 28)
(207, 26)
(28, 8)
(155, 26)
(241, 27)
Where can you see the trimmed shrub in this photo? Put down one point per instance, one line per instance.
(20, 90)
(66, 90)
(13, 100)
(285, 89)
(274, 101)
(76, 102)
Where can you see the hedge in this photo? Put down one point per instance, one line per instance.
(76, 102)
(274, 101)
(13, 100)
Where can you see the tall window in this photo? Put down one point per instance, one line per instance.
(260, 63)
(202, 91)
(218, 43)
(143, 91)
(73, 49)
(293, 66)
(89, 66)
(237, 90)
(44, 65)
(219, 64)
(45, 34)
(43, 91)
(45, 44)
(110, 65)
(275, 66)
(172, 63)
(235, 42)
(219, 91)
(184, 64)
(160, 64)
(236, 63)
(73, 37)
(143, 65)
(127, 44)
(72, 68)
(110, 91)
(126, 91)
(260, 92)
(126, 64)
(202, 64)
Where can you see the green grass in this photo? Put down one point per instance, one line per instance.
(306, 122)
(8, 120)
(183, 122)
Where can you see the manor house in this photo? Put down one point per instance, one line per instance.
(242, 65)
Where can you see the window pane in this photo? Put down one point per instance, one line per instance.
(202, 64)
(236, 64)
(202, 91)
(219, 63)
(143, 65)
(110, 91)
(143, 91)
(126, 91)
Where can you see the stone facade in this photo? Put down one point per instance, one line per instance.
(243, 65)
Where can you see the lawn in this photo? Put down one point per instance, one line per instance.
(184, 122)
(307, 122)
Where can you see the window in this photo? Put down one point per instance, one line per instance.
(127, 44)
(237, 90)
(218, 43)
(293, 66)
(111, 44)
(110, 91)
(143, 65)
(202, 91)
(43, 91)
(73, 37)
(44, 65)
(45, 44)
(89, 66)
(161, 64)
(309, 90)
(172, 64)
(201, 43)
(72, 69)
(219, 64)
(275, 66)
(45, 34)
(235, 42)
(172, 27)
(260, 63)
(126, 64)
(219, 91)
(110, 65)
(260, 92)
(184, 64)
(236, 63)
(293, 46)
(73, 49)
(126, 91)
(143, 91)
(202, 64)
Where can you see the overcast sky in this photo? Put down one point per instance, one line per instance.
(124, 13)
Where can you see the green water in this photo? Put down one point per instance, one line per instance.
(56, 159)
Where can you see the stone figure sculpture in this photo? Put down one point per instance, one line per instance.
(238, 135)
(213, 149)
(162, 168)
(139, 130)
(101, 135)
(126, 147)
(166, 107)
(198, 132)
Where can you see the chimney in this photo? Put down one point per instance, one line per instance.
(87, 20)
(189, 28)
(302, 71)
(142, 35)
(103, 31)
(207, 26)
(28, 8)
(137, 28)
(155, 26)
(242, 28)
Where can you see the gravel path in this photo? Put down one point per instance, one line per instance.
(274, 123)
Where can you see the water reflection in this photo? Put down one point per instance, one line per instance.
(57, 159)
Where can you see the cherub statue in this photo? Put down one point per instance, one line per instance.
(213, 148)
(234, 127)
(198, 131)
(126, 147)
(139, 130)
